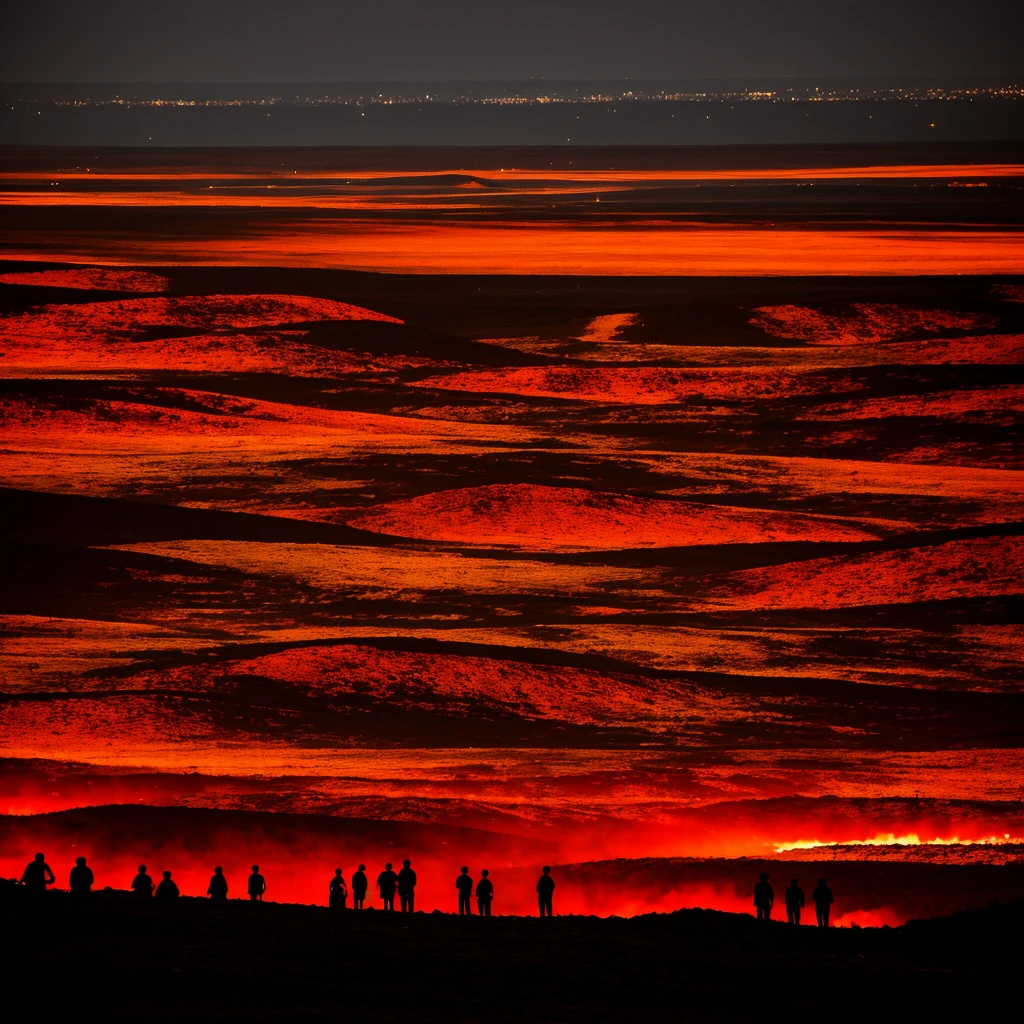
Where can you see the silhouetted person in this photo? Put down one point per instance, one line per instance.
(387, 882)
(823, 900)
(794, 901)
(81, 880)
(360, 883)
(257, 884)
(465, 886)
(36, 877)
(764, 898)
(338, 892)
(545, 891)
(167, 891)
(142, 884)
(218, 887)
(407, 887)
(484, 894)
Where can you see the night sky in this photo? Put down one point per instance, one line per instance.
(334, 40)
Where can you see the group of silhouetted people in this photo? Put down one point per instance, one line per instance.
(822, 898)
(390, 882)
(38, 875)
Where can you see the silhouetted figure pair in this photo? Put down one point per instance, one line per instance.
(218, 887)
(387, 883)
(823, 900)
(81, 881)
(764, 898)
(142, 884)
(360, 883)
(545, 891)
(484, 893)
(338, 892)
(167, 891)
(36, 877)
(794, 901)
(257, 884)
(407, 887)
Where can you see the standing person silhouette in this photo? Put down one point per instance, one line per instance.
(257, 884)
(545, 891)
(407, 887)
(142, 884)
(218, 887)
(484, 894)
(338, 894)
(764, 898)
(465, 886)
(167, 891)
(360, 883)
(81, 880)
(794, 901)
(823, 900)
(36, 877)
(387, 882)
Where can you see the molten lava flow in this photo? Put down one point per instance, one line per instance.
(891, 840)
(580, 593)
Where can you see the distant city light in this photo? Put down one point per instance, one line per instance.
(570, 94)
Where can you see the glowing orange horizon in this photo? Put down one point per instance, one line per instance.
(874, 171)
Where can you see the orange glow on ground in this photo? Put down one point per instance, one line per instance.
(626, 250)
(867, 324)
(646, 385)
(959, 569)
(551, 518)
(87, 278)
(1000, 404)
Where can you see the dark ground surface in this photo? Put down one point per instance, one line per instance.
(118, 961)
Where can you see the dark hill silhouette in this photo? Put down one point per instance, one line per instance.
(198, 961)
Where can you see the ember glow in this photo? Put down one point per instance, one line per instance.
(648, 577)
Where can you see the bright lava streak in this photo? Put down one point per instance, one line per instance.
(894, 840)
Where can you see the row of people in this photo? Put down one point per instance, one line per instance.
(38, 875)
(404, 883)
(821, 897)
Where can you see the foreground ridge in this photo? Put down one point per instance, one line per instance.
(287, 961)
